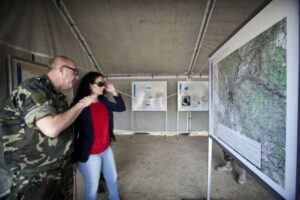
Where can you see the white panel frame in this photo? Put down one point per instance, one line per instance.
(155, 84)
(201, 85)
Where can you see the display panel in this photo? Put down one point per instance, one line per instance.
(22, 70)
(149, 96)
(192, 96)
(253, 92)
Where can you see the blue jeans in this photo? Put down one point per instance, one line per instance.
(91, 170)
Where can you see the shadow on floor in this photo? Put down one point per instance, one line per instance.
(159, 168)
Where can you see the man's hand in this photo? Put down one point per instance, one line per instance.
(88, 100)
(53, 125)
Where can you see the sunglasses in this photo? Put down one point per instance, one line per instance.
(75, 70)
(100, 84)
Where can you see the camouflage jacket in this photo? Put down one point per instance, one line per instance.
(24, 146)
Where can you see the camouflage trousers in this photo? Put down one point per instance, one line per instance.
(49, 185)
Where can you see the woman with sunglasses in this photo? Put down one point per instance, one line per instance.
(94, 132)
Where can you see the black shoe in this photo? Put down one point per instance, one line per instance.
(101, 187)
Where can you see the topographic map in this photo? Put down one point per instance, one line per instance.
(249, 97)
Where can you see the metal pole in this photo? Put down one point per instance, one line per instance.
(177, 124)
(166, 121)
(132, 133)
(187, 122)
(209, 168)
(187, 114)
(190, 121)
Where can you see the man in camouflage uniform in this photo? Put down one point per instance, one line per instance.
(37, 139)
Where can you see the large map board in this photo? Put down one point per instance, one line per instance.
(149, 96)
(254, 98)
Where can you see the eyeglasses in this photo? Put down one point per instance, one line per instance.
(100, 84)
(75, 70)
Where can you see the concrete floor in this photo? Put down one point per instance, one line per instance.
(159, 168)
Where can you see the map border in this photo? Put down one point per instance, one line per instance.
(267, 17)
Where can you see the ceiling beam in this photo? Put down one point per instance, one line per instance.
(156, 76)
(86, 48)
(208, 11)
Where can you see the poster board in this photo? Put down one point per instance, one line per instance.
(192, 96)
(23, 69)
(254, 96)
(149, 96)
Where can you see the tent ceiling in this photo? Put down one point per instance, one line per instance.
(155, 36)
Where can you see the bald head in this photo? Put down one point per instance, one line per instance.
(63, 73)
(60, 60)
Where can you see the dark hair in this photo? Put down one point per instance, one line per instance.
(84, 85)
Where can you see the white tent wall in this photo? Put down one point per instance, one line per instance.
(33, 29)
(155, 121)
